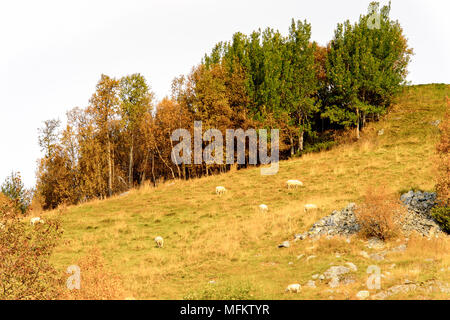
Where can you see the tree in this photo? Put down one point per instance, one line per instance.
(365, 68)
(104, 107)
(135, 101)
(48, 136)
(299, 79)
(14, 189)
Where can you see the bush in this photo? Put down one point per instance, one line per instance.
(442, 212)
(97, 282)
(226, 291)
(25, 271)
(442, 216)
(379, 214)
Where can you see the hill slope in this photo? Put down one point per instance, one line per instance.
(228, 240)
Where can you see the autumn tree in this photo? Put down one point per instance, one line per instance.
(14, 189)
(135, 101)
(104, 108)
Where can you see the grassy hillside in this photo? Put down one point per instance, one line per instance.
(226, 238)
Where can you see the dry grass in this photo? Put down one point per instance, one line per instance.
(227, 239)
(97, 282)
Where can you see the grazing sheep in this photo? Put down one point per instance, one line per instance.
(263, 207)
(310, 206)
(34, 220)
(294, 288)
(220, 190)
(294, 184)
(159, 241)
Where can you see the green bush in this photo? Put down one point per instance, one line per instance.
(442, 216)
(226, 291)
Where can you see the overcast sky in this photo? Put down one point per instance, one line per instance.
(52, 53)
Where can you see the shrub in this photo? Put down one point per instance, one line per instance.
(379, 214)
(442, 216)
(97, 282)
(442, 212)
(226, 291)
(25, 271)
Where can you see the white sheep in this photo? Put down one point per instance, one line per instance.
(263, 208)
(220, 190)
(159, 241)
(34, 220)
(294, 288)
(294, 184)
(310, 206)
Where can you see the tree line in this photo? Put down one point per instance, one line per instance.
(262, 80)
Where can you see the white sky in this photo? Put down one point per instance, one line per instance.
(52, 53)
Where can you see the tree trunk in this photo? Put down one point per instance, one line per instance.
(153, 168)
(292, 146)
(145, 168)
(363, 120)
(130, 166)
(109, 168)
(357, 124)
(300, 141)
(178, 167)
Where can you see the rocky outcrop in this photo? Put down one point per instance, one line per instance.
(344, 222)
(418, 217)
(337, 223)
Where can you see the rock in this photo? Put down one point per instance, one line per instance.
(363, 294)
(364, 254)
(336, 272)
(321, 277)
(300, 256)
(400, 248)
(376, 257)
(334, 283)
(310, 257)
(403, 288)
(375, 243)
(338, 223)
(285, 244)
(435, 123)
(311, 284)
(124, 194)
(346, 281)
(315, 276)
(352, 266)
(418, 217)
(380, 132)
